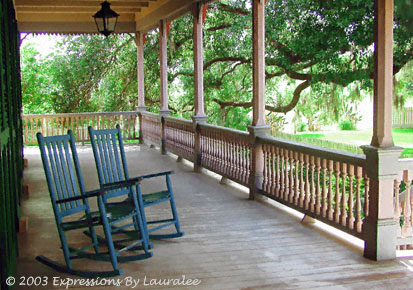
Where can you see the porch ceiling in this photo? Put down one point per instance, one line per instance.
(75, 16)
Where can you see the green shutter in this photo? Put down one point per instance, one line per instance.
(11, 160)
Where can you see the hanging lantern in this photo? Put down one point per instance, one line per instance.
(106, 19)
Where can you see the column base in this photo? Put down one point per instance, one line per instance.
(164, 113)
(199, 119)
(197, 146)
(387, 157)
(380, 239)
(255, 184)
(257, 131)
(142, 108)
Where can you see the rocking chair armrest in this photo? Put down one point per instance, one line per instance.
(87, 194)
(157, 174)
(123, 183)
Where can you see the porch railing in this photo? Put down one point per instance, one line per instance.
(329, 185)
(403, 204)
(326, 184)
(56, 124)
(226, 152)
(179, 137)
(151, 127)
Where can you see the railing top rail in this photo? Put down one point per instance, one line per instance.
(326, 153)
(149, 114)
(80, 114)
(223, 129)
(178, 120)
(405, 164)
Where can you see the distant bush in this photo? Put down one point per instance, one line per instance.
(346, 125)
(301, 127)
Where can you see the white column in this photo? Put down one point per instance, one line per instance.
(141, 79)
(383, 74)
(163, 65)
(258, 118)
(198, 60)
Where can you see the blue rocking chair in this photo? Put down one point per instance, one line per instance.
(70, 202)
(109, 153)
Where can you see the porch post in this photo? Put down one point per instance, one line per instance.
(258, 127)
(381, 157)
(164, 111)
(163, 66)
(141, 81)
(199, 116)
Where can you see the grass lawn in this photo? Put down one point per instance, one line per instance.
(401, 137)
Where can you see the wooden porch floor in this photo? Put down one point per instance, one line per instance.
(229, 243)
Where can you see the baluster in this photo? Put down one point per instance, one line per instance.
(232, 153)
(212, 133)
(273, 172)
(48, 124)
(302, 184)
(318, 186)
(366, 194)
(307, 182)
(227, 144)
(407, 227)
(324, 190)
(286, 174)
(216, 150)
(397, 206)
(343, 195)
(239, 159)
(221, 150)
(26, 129)
(312, 190)
(291, 181)
(31, 130)
(282, 178)
(205, 153)
(359, 172)
(243, 157)
(52, 125)
(277, 172)
(266, 169)
(337, 195)
(330, 189)
(209, 134)
(42, 124)
(296, 177)
(350, 218)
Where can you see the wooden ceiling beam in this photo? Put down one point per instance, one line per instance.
(78, 3)
(66, 17)
(73, 9)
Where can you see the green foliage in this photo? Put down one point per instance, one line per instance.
(346, 125)
(319, 58)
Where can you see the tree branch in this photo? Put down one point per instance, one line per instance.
(280, 109)
(231, 9)
(224, 59)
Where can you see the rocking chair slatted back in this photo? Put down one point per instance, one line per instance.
(110, 159)
(64, 178)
